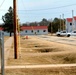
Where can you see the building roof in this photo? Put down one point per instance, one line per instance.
(74, 17)
(1, 28)
(33, 27)
(69, 19)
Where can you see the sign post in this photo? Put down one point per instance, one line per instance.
(2, 52)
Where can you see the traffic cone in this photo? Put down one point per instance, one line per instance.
(26, 37)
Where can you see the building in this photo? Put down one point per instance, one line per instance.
(30, 30)
(74, 23)
(34, 30)
(71, 24)
(5, 33)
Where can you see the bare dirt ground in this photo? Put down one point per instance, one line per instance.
(34, 51)
(5, 38)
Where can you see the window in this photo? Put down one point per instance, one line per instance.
(70, 24)
(37, 30)
(74, 32)
(26, 31)
(32, 31)
(64, 32)
(44, 30)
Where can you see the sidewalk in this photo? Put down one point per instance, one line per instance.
(42, 66)
(7, 46)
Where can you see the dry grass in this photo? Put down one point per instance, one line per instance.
(42, 71)
(33, 51)
(36, 51)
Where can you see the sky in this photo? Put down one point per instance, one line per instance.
(36, 10)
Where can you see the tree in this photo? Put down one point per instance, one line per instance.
(44, 22)
(55, 25)
(8, 21)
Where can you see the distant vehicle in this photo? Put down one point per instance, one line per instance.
(61, 33)
(73, 33)
(64, 33)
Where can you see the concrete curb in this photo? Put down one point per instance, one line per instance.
(42, 66)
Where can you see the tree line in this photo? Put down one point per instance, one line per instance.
(53, 25)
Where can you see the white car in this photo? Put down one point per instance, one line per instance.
(64, 33)
(73, 33)
(61, 33)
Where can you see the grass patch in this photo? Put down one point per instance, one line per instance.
(42, 71)
(65, 58)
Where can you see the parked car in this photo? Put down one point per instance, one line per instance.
(64, 33)
(61, 33)
(73, 33)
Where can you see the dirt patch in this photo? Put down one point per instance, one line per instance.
(45, 50)
(5, 38)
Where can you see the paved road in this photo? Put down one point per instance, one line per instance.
(63, 40)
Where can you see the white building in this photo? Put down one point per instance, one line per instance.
(71, 24)
(32, 30)
(74, 23)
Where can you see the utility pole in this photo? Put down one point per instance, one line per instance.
(15, 30)
(63, 21)
(72, 18)
(51, 26)
(60, 22)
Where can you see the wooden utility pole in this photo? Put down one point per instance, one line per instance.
(72, 19)
(63, 21)
(15, 30)
(60, 22)
(51, 27)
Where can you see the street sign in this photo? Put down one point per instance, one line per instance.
(2, 52)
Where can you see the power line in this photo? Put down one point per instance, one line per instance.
(50, 8)
(23, 13)
(2, 3)
(23, 4)
(46, 8)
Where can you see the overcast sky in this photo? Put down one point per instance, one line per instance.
(36, 10)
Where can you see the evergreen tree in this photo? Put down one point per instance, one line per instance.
(8, 21)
